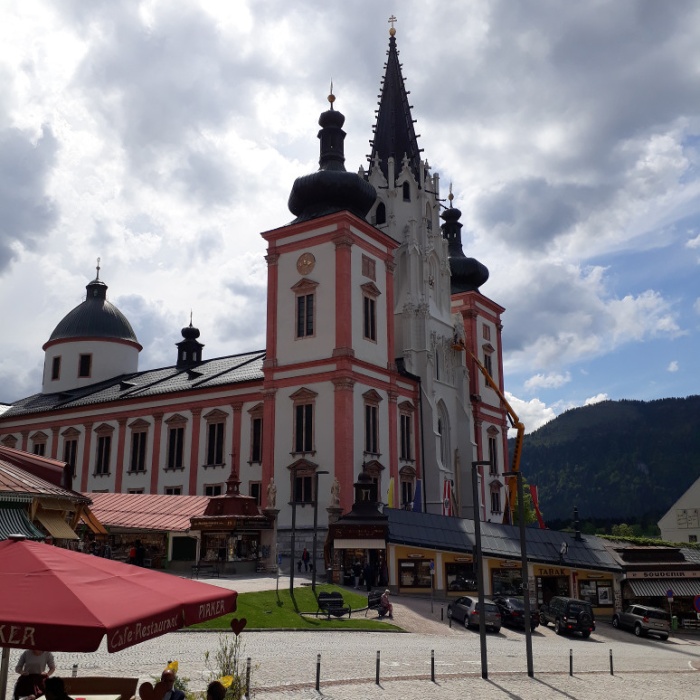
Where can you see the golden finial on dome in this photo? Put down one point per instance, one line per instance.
(392, 31)
(98, 268)
(331, 96)
(450, 196)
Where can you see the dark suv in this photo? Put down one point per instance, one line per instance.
(568, 615)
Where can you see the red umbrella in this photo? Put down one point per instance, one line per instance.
(58, 600)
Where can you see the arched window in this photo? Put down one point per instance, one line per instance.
(380, 217)
(406, 192)
(443, 430)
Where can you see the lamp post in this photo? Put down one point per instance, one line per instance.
(479, 565)
(523, 561)
(292, 555)
(313, 549)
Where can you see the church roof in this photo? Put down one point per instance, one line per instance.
(94, 318)
(232, 369)
(394, 134)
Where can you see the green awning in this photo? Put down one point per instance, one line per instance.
(14, 521)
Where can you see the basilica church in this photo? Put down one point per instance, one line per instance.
(375, 325)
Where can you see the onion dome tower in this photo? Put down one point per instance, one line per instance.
(466, 274)
(92, 343)
(332, 188)
(189, 350)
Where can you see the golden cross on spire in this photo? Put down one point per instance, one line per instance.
(98, 268)
(392, 19)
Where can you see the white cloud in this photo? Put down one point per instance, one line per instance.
(672, 366)
(693, 242)
(533, 414)
(548, 381)
(595, 399)
(696, 305)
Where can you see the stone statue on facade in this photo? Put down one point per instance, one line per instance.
(271, 493)
(335, 492)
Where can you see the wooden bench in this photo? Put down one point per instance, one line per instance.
(205, 567)
(374, 602)
(101, 685)
(332, 604)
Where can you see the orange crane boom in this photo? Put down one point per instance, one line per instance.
(515, 423)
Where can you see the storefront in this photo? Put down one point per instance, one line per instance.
(598, 589)
(459, 573)
(506, 577)
(551, 581)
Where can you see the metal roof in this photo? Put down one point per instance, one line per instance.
(147, 511)
(209, 374)
(457, 535)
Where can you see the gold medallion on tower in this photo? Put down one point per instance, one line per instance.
(306, 263)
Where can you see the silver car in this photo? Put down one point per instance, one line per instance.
(466, 610)
(643, 620)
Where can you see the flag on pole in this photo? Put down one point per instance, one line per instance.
(536, 506)
(447, 497)
(418, 497)
(390, 494)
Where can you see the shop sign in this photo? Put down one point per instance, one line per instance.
(366, 532)
(553, 571)
(463, 559)
(664, 574)
(214, 524)
(504, 564)
(415, 556)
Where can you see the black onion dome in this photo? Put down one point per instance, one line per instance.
(332, 188)
(190, 332)
(95, 318)
(466, 274)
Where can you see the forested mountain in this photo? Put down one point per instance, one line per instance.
(615, 459)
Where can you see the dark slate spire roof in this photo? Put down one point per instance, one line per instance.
(332, 188)
(466, 274)
(394, 134)
(95, 318)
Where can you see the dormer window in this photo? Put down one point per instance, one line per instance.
(84, 366)
(56, 368)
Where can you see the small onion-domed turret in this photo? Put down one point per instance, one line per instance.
(466, 274)
(189, 350)
(332, 188)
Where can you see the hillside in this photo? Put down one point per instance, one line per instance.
(615, 459)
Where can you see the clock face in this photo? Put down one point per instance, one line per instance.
(306, 263)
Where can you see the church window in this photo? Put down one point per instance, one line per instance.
(255, 491)
(443, 436)
(406, 192)
(370, 318)
(84, 365)
(134, 491)
(369, 268)
(406, 431)
(173, 490)
(213, 489)
(488, 364)
(380, 217)
(56, 368)
(428, 217)
(70, 454)
(256, 433)
(139, 438)
(486, 331)
(304, 427)
(305, 315)
(371, 429)
(493, 455)
(216, 423)
(176, 441)
(495, 501)
(104, 448)
(303, 488)
(406, 494)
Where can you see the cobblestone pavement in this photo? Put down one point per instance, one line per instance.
(284, 662)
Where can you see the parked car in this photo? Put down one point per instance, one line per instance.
(466, 610)
(512, 609)
(643, 620)
(568, 615)
(462, 584)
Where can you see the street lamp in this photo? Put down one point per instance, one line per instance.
(313, 549)
(479, 564)
(523, 561)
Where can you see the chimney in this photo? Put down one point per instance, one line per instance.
(577, 525)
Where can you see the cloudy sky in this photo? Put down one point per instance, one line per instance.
(163, 136)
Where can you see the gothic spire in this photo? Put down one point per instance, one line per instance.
(394, 134)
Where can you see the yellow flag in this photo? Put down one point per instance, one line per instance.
(390, 494)
(226, 681)
(172, 666)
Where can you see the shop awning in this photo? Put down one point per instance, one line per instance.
(359, 543)
(649, 588)
(88, 517)
(14, 521)
(55, 524)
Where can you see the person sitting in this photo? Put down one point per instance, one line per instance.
(216, 691)
(386, 605)
(171, 692)
(54, 689)
(32, 667)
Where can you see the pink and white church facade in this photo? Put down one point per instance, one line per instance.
(373, 315)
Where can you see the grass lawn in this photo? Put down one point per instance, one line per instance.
(276, 609)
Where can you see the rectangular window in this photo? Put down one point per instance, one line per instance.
(369, 267)
(84, 365)
(493, 456)
(213, 490)
(56, 368)
(304, 427)
(415, 574)
(460, 577)
(40, 449)
(135, 491)
(371, 429)
(692, 538)
(305, 315)
(488, 364)
(486, 332)
(104, 447)
(406, 494)
(406, 436)
(70, 452)
(215, 443)
(138, 452)
(495, 501)
(370, 318)
(303, 489)
(173, 490)
(176, 437)
(256, 440)
(255, 490)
